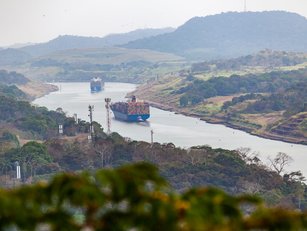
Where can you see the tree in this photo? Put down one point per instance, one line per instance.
(279, 163)
(31, 155)
(135, 197)
(248, 156)
(184, 101)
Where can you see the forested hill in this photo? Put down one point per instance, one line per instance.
(12, 78)
(67, 42)
(263, 60)
(231, 34)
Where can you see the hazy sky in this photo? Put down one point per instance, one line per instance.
(24, 21)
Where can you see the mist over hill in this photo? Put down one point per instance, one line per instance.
(66, 42)
(12, 56)
(231, 34)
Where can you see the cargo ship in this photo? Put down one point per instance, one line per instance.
(131, 111)
(96, 84)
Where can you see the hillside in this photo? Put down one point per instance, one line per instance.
(12, 78)
(67, 42)
(231, 35)
(268, 102)
(17, 85)
(265, 60)
(12, 56)
(110, 63)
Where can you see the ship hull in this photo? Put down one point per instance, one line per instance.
(96, 85)
(130, 118)
(96, 89)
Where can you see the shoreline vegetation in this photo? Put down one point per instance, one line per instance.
(216, 120)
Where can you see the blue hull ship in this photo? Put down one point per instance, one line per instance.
(131, 118)
(96, 85)
(131, 111)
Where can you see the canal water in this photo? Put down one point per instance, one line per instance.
(167, 126)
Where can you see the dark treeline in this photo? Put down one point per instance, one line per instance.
(293, 100)
(41, 123)
(236, 172)
(198, 90)
(12, 77)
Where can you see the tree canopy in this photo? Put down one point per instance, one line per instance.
(135, 197)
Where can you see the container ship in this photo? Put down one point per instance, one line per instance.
(131, 111)
(96, 84)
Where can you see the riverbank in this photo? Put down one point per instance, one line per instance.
(37, 89)
(249, 128)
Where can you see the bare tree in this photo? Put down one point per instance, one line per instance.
(197, 156)
(279, 163)
(248, 156)
(296, 176)
(105, 153)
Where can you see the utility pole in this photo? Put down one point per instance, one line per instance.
(91, 109)
(108, 100)
(18, 176)
(151, 133)
(76, 118)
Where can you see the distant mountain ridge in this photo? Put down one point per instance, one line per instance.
(67, 42)
(231, 34)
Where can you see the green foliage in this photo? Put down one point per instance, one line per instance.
(240, 99)
(198, 166)
(13, 92)
(12, 78)
(265, 58)
(8, 141)
(273, 82)
(303, 125)
(135, 198)
(292, 99)
(32, 157)
(42, 123)
(183, 101)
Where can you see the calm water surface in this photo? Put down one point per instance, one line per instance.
(167, 126)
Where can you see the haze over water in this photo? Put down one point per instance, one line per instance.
(167, 126)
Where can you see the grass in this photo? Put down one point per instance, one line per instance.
(208, 108)
(247, 70)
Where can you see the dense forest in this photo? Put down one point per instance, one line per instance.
(274, 82)
(135, 197)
